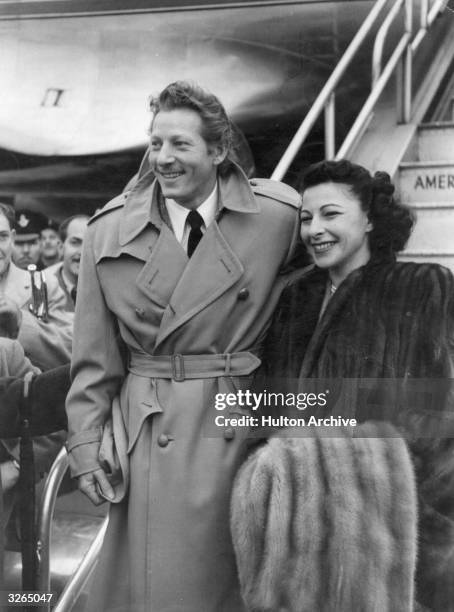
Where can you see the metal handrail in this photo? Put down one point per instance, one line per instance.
(325, 100)
(428, 16)
(74, 586)
(380, 38)
(45, 516)
(361, 120)
(326, 93)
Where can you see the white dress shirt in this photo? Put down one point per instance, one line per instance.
(178, 215)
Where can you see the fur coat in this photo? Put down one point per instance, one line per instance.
(317, 525)
(392, 322)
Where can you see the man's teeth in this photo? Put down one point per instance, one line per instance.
(319, 248)
(171, 174)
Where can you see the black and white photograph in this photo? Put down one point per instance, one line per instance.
(227, 305)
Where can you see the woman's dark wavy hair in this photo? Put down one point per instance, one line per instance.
(392, 222)
(217, 129)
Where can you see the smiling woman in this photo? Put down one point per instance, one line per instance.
(335, 229)
(388, 322)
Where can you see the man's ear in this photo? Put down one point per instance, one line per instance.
(219, 154)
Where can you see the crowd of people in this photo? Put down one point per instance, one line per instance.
(191, 282)
(30, 344)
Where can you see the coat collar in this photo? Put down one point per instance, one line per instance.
(142, 205)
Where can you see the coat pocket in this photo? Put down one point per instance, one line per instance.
(139, 400)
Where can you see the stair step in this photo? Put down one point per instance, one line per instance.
(434, 230)
(436, 142)
(427, 181)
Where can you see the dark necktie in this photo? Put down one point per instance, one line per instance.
(195, 223)
(73, 293)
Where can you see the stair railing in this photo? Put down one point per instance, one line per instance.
(45, 516)
(76, 583)
(401, 56)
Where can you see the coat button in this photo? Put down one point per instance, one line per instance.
(163, 440)
(229, 433)
(243, 294)
(140, 312)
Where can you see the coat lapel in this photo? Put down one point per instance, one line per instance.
(164, 268)
(211, 271)
(144, 235)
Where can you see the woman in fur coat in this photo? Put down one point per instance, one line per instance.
(382, 332)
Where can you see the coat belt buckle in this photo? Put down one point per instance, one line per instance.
(178, 373)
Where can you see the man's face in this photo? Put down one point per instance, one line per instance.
(184, 164)
(6, 244)
(72, 247)
(26, 252)
(50, 243)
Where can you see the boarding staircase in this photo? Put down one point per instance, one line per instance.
(388, 134)
(391, 132)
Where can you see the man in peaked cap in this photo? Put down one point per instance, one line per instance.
(178, 282)
(47, 344)
(27, 246)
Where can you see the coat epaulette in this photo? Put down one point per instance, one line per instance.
(117, 202)
(276, 190)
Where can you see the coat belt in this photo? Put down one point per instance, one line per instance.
(180, 367)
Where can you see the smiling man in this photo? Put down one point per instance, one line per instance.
(72, 232)
(179, 278)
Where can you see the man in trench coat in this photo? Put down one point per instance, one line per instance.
(158, 333)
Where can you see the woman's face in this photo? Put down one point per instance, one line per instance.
(335, 229)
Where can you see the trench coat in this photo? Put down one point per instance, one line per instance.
(157, 336)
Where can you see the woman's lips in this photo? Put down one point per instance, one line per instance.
(322, 247)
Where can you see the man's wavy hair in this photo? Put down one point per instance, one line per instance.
(217, 128)
(392, 222)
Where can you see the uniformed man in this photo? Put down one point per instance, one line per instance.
(27, 240)
(47, 344)
(179, 279)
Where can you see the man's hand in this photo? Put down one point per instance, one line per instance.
(10, 317)
(94, 483)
